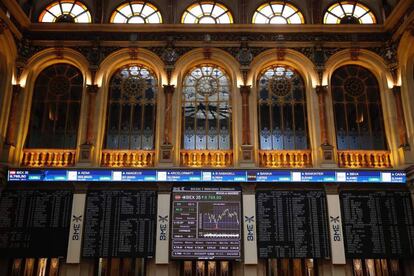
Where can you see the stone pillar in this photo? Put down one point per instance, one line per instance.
(162, 248)
(249, 230)
(245, 92)
(76, 227)
(74, 264)
(402, 128)
(10, 145)
(326, 147)
(166, 157)
(335, 230)
(247, 157)
(87, 148)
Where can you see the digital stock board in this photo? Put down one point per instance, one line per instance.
(292, 224)
(137, 175)
(378, 224)
(120, 223)
(206, 223)
(34, 223)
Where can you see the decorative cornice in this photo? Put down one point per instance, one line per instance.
(213, 37)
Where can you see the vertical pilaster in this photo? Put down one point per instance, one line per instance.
(246, 148)
(11, 126)
(402, 128)
(249, 228)
(326, 147)
(166, 148)
(10, 145)
(73, 264)
(162, 248)
(86, 149)
(335, 230)
(245, 92)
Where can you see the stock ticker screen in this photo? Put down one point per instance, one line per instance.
(206, 223)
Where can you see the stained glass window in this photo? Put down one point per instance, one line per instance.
(206, 109)
(207, 12)
(131, 109)
(138, 12)
(55, 112)
(277, 12)
(349, 12)
(282, 109)
(357, 109)
(66, 11)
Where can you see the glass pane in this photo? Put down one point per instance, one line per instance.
(55, 115)
(206, 97)
(137, 125)
(288, 91)
(260, 19)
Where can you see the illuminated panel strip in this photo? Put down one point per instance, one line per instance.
(322, 176)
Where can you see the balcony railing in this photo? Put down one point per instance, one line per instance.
(208, 158)
(285, 158)
(364, 159)
(128, 158)
(48, 158)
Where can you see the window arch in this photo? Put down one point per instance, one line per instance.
(206, 109)
(357, 109)
(207, 12)
(277, 12)
(66, 11)
(56, 104)
(282, 109)
(138, 12)
(131, 109)
(349, 12)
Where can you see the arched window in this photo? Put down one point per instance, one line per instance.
(131, 109)
(277, 12)
(282, 109)
(206, 109)
(55, 112)
(357, 109)
(138, 12)
(66, 11)
(207, 12)
(349, 12)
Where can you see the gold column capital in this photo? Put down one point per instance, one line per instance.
(321, 89)
(169, 88)
(92, 89)
(245, 89)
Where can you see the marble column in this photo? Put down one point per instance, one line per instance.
(11, 126)
(166, 157)
(246, 147)
(326, 147)
(86, 149)
(402, 128)
(9, 147)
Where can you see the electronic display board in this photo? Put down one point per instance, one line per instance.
(377, 224)
(184, 175)
(206, 223)
(120, 223)
(34, 223)
(292, 224)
